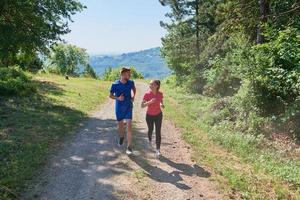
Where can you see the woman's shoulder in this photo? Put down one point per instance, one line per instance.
(148, 92)
(147, 95)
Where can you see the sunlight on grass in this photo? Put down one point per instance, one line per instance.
(31, 127)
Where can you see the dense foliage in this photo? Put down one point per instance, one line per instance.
(13, 81)
(67, 59)
(247, 52)
(89, 72)
(29, 26)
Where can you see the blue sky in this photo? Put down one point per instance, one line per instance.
(117, 26)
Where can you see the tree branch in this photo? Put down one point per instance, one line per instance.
(6, 189)
(283, 13)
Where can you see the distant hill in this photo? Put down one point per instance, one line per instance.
(148, 62)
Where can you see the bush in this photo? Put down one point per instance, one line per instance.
(29, 61)
(221, 79)
(112, 74)
(135, 74)
(275, 71)
(89, 72)
(290, 120)
(225, 72)
(13, 81)
(52, 69)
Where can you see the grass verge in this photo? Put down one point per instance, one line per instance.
(243, 166)
(32, 126)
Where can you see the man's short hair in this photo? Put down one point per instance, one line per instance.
(124, 69)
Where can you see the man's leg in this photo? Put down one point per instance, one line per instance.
(121, 132)
(129, 132)
(129, 137)
(128, 117)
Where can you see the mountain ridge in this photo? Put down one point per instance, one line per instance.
(149, 62)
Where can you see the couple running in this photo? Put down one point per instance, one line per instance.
(123, 91)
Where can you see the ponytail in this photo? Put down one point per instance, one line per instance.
(157, 82)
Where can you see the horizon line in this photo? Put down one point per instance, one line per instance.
(118, 53)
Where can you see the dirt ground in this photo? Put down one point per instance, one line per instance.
(91, 166)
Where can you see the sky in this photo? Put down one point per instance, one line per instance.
(117, 26)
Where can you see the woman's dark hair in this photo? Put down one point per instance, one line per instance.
(157, 82)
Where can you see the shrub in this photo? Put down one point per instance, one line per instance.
(221, 78)
(226, 70)
(275, 71)
(13, 81)
(29, 61)
(112, 74)
(89, 72)
(135, 74)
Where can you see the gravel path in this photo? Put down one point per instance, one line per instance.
(91, 166)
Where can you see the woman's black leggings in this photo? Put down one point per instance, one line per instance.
(157, 120)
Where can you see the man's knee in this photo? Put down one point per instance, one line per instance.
(120, 124)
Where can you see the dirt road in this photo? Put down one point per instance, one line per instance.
(91, 166)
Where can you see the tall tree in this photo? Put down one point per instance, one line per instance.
(191, 23)
(254, 15)
(89, 71)
(68, 59)
(33, 25)
(200, 30)
(263, 7)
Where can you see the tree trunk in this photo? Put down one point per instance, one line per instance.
(263, 11)
(4, 58)
(197, 31)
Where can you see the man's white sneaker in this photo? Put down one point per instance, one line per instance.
(158, 153)
(129, 151)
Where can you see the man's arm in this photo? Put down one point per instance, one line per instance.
(112, 92)
(112, 96)
(120, 98)
(134, 92)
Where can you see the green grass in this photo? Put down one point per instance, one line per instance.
(139, 175)
(32, 127)
(242, 165)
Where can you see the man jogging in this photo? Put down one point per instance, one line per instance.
(121, 91)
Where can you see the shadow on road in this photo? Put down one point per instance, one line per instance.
(160, 175)
(84, 165)
(186, 169)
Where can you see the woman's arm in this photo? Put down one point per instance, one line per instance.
(144, 104)
(147, 103)
(162, 104)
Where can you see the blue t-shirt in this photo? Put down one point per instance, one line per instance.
(118, 88)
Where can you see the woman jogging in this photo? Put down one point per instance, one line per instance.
(153, 100)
